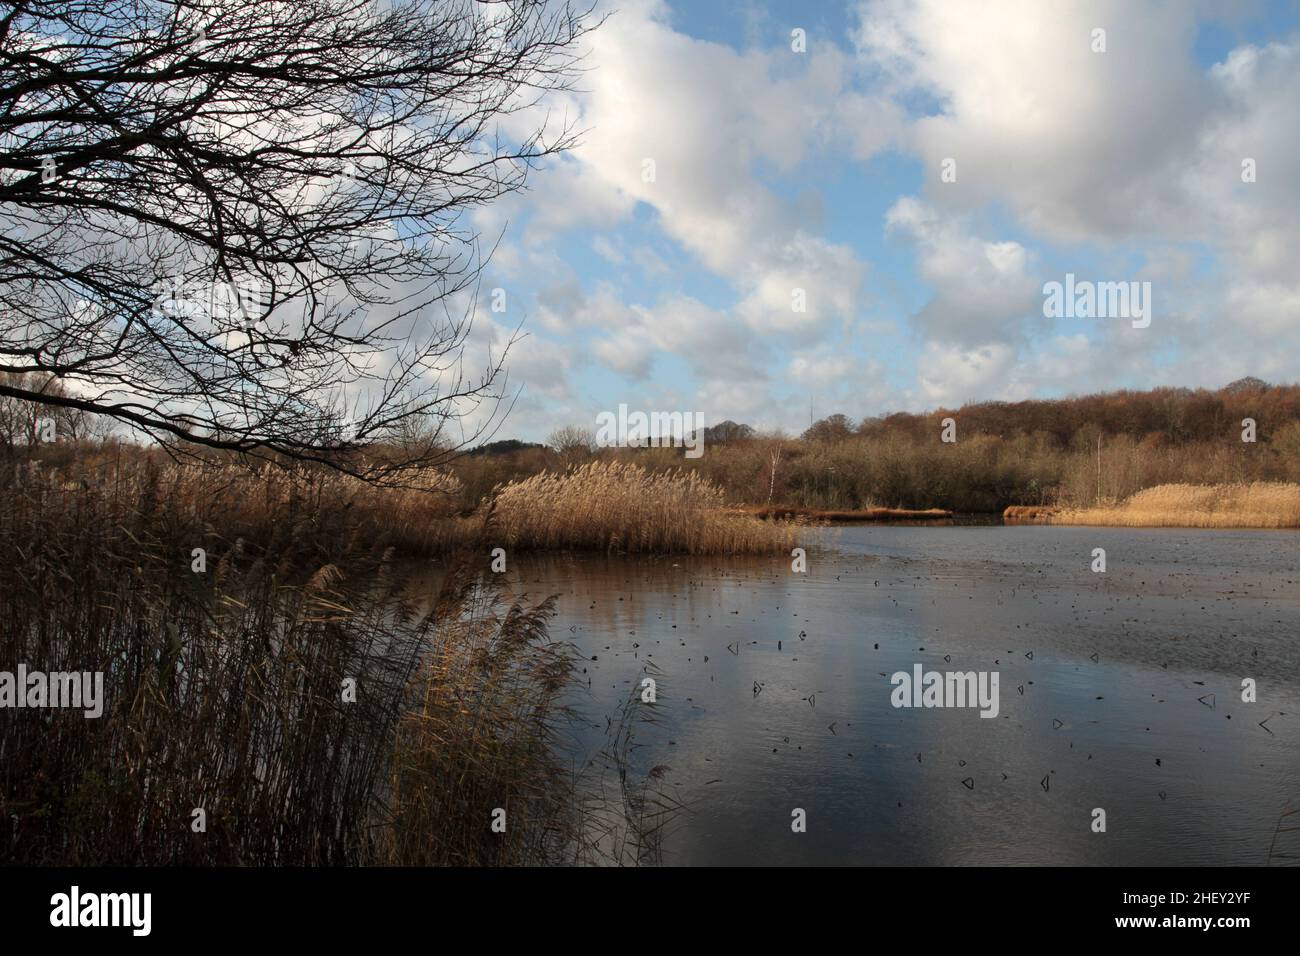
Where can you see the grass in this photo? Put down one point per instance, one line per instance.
(1261, 504)
(224, 687)
(616, 506)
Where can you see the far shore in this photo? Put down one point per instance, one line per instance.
(1254, 505)
(788, 512)
(1260, 504)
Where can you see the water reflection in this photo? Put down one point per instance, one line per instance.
(774, 693)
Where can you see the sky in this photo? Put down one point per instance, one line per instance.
(912, 174)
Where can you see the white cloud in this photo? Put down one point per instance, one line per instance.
(708, 117)
(819, 369)
(1132, 153)
(823, 278)
(1128, 161)
(1079, 144)
(544, 367)
(982, 290)
(951, 375)
(713, 344)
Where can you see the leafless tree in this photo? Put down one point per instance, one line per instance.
(774, 459)
(27, 424)
(573, 443)
(244, 225)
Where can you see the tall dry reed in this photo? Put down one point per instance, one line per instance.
(1260, 504)
(615, 506)
(225, 686)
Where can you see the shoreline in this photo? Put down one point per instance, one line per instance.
(1257, 505)
(785, 512)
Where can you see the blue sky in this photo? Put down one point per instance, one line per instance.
(776, 170)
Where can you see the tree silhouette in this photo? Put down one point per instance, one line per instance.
(243, 225)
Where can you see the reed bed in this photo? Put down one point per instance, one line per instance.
(225, 688)
(1260, 504)
(495, 681)
(617, 506)
(1029, 514)
(227, 501)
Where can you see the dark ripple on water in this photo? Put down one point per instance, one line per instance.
(1119, 691)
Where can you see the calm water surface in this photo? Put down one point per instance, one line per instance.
(1119, 690)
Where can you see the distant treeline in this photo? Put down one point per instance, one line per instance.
(1075, 452)
(1168, 415)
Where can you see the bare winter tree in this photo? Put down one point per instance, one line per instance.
(27, 424)
(573, 443)
(243, 225)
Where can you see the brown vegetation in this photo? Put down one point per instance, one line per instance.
(224, 681)
(617, 506)
(1029, 514)
(1072, 453)
(224, 675)
(1069, 453)
(1254, 505)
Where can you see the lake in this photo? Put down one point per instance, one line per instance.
(1120, 691)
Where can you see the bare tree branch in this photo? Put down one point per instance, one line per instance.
(243, 226)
